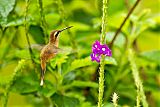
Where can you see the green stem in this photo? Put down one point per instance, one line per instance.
(43, 21)
(124, 21)
(138, 99)
(11, 82)
(8, 44)
(101, 82)
(104, 22)
(140, 92)
(64, 20)
(102, 40)
(26, 30)
(59, 69)
(3, 29)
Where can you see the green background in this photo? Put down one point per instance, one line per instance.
(78, 83)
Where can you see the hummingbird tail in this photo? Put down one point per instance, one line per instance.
(41, 83)
(43, 67)
(42, 77)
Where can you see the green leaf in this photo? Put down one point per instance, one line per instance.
(69, 77)
(80, 63)
(48, 90)
(64, 101)
(81, 84)
(50, 17)
(22, 54)
(110, 60)
(80, 15)
(37, 33)
(152, 55)
(4, 80)
(84, 84)
(86, 104)
(120, 40)
(58, 60)
(26, 82)
(126, 91)
(25, 85)
(151, 86)
(6, 6)
(16, 22)
(108, 105)
(144, 14)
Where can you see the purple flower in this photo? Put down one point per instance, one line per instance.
(105, 50)
(98, 50)
(95, 57)
(96, 47)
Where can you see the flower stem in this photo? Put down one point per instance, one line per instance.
(43, 21)
(13, 78)
(140, 92)
(101, 82)
(102, 40)
(104, 22)
(124, 21)
(26, 29)
(65, 22)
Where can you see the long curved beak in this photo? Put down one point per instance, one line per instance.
(65, 28)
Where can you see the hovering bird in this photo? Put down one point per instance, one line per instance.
(50, 50)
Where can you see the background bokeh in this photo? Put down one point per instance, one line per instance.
(78, 83)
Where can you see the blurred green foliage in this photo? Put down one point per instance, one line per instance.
(71, 78)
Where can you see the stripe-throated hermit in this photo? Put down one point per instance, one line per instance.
(50, 50)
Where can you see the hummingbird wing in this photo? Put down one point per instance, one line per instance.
(64, 50)
(55, 49)
(38, 47)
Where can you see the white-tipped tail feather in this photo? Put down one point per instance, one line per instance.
(41, 84)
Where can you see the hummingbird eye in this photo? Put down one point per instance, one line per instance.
(56, 33)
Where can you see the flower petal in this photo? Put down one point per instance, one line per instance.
(96, 47)
(105, 50)
(92, 56)
(95, 57)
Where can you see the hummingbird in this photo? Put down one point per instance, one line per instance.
(50, 50)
